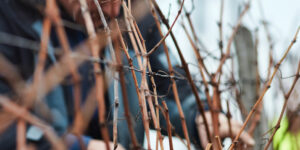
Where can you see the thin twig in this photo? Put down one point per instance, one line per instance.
(53, 14)
(214, 110)
(43, 52)
(216, 107)
(37, 76)
(22, 113)
(172, 132)
(53, 76)
(174, 86)
(125, 99)
(144, 85)
(21, 135)
(197, 40)
(116, 85)
(208, 146)
(228, 115)
(220, 25)
(200, 61)
(140, 98)
(169, 128)
(286, 98)
(149, 98)
(235, 29)
(127, 16)
(268, 85)
(188, 75)
(98, 72)
(220, 147)
(169, 29)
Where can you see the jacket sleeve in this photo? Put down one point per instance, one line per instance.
(159, 64)
(23, 59)
(7, 137)
(7, 52)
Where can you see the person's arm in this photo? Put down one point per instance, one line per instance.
(164, 88)
(159, 64)
(192, 116)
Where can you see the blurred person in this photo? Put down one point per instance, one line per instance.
(23, 18)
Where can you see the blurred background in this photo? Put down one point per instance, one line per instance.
(282, 20)
(266, 31)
